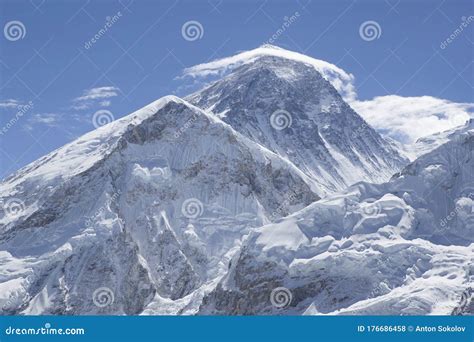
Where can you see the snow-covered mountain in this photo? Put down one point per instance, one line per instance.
(218, 204)
(283, 101)
(402, 247)
(429, 143)
(147, 207)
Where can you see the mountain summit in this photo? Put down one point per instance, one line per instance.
(283, 101)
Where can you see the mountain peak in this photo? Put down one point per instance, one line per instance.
(270, 46)
(340, 79)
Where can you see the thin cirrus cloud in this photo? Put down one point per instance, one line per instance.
(407, 119)
(9, 103)
(44, 119)
(100, 95)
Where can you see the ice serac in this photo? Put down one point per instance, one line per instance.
(286, 102)
(404, 247)
(145, 210)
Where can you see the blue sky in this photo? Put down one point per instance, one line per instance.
(68, 78)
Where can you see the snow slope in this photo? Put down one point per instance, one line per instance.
(176, 209)
(341, 80)
(148, 208)
(430, 142)
(282, 100)
(402, 247)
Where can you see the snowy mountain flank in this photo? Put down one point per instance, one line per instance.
(283, 102)
(262, 193)
(141, 206)
(403, 247)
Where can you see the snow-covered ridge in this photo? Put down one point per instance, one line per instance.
(401, 248)
(340, 79)
(80, 154)
(429, 143)
(206, 208)
(151, 205)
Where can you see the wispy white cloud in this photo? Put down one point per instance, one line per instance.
(340, 79)
(44, 119)
(91, 96)
(408, 118)
(9, 103)
(98, 93)
(105, 103)
(404, 119)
